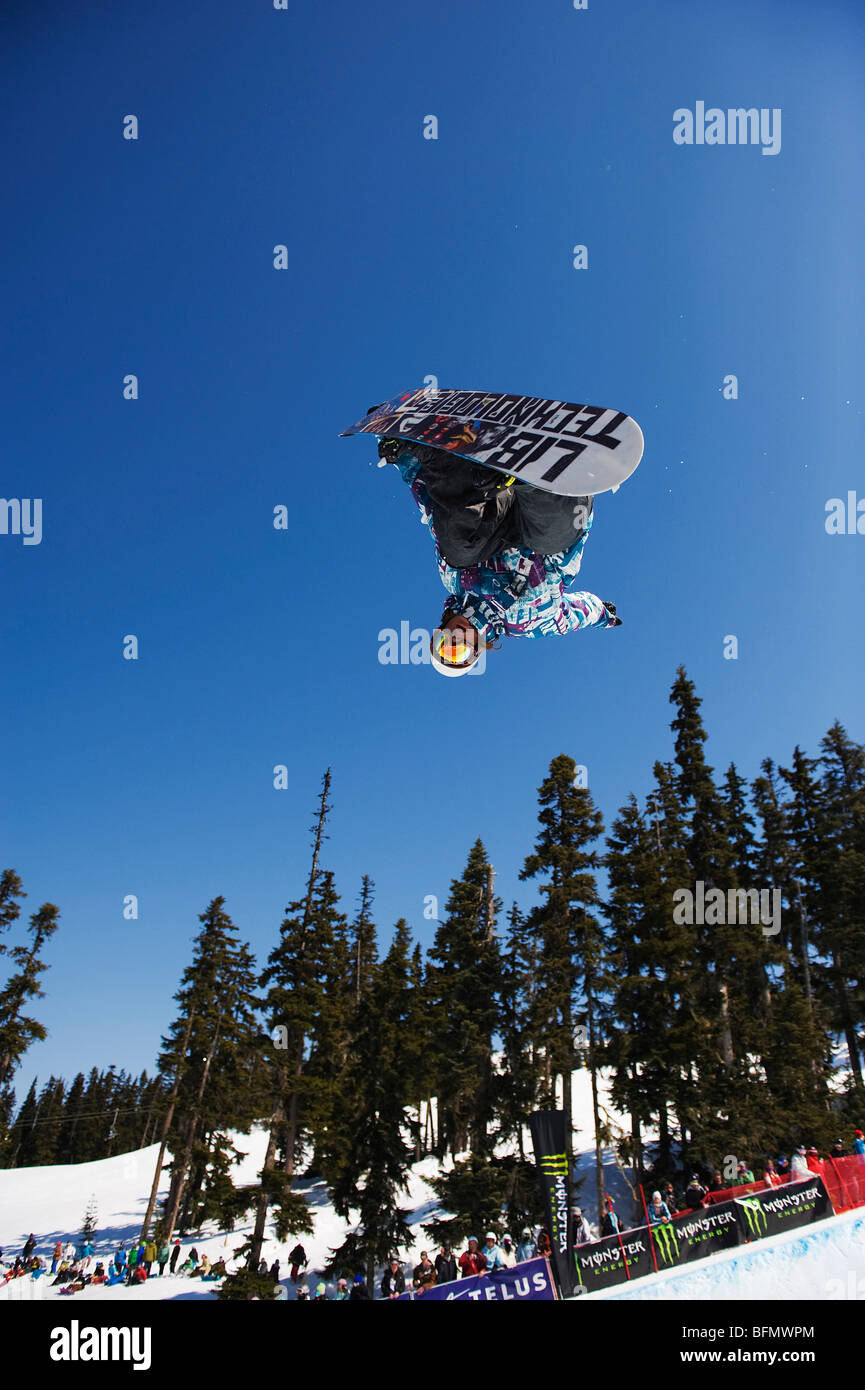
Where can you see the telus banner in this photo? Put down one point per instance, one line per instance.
(551, 1157)
(529, 1281)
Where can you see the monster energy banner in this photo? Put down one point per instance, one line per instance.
(782, 1208)
(613, 1260)
(694, 1235)
(548, 1140)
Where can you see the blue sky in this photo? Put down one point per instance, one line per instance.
(407, 257)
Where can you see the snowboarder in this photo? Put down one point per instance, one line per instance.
(506, 553)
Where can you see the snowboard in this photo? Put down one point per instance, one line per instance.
(574, 450)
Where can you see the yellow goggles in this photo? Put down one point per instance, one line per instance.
(452, 647)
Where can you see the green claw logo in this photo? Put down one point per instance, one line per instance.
(755, 1214)
(665, 1237)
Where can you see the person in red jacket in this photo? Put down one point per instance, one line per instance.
(473, 1260)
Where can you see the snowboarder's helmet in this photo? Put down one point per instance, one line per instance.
(450, 653)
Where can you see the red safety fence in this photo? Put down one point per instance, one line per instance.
(844, 1179)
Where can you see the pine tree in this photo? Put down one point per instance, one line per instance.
(312, 947)
(481, 1194)
(17, 1030)
(464, 981)
(214, 1047)
(568, 936)
(379, 1087)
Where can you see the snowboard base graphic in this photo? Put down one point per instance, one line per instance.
(574, 450)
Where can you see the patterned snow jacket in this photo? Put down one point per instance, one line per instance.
(517, 593)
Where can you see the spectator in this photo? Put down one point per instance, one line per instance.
(472, 1260)
(29, 1247)
(86, 1254)
(695, 1193)
(262, 1268)
(668, 1194)
(658, 1210)
(717, 1184)
(610, 1226)
(69, 1252)
(150, 1253)
(424, 1273)
(132, 1260)
(509, 1254)
(217, 1270)
(359, 1291)
(274, 1271)
(120, 1260)
(57, 1256)
(783, 1167)
(393, 1280)
(745, 1174)
(858, 1142)
(814, 1164)
(526, 1250)
(299, 1260)
(175, 1255)
(799, 1165)
(837, 1149)
(544, 1246)
(445, 1265)
(342, 1294)
(320, 1293)
(582, 1234)
(492, 1252)
(302, 1295)
(162, 1255)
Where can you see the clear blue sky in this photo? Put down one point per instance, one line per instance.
(408, 257)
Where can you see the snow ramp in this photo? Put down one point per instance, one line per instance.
(819, 1262)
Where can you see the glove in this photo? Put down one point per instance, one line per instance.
(611, 608)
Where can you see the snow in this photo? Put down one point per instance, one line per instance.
(822, 1261)
(819, 1262)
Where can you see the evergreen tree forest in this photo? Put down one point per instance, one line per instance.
(359, 1053)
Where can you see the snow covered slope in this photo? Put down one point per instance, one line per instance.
(823, 1261)
(51, 1202)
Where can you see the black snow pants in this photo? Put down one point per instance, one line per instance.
(475, 517)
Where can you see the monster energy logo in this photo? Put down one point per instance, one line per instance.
(553, 1165)
(666, 1239)
(755, 1214)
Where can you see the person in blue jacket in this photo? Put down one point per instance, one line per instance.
(506, 553)
(658, 1210)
